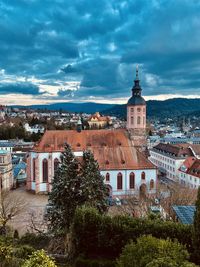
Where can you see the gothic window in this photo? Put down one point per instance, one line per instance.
(132, 181)
(107, 177)
(34, 171)
(138, 120)
(56, 164)
(119, 181)
(143, 175)
(132, 120)
(45, 170)
(151, 184)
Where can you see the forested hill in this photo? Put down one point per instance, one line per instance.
(155, 108)
(162, 109)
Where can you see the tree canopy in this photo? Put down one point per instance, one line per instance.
(75, 184)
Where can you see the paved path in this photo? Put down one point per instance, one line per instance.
(35, 204)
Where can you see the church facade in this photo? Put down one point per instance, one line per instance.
(125, 169)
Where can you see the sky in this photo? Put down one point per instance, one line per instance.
(87, 50)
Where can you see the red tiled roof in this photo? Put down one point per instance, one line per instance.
(192, 165)
(196, 149)
(177, 150)
(111, 148)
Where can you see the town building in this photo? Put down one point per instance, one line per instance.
(168, 158)
(189, 172)
(6, 145)
(121, 162)
(96, 121)
(6, 174)
(34, 129)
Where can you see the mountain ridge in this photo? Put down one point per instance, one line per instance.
(155, 108)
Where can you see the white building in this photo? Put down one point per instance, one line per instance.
(6, 172)
(34, 129)
(6, 145)
(126, 170)
(168, 158)
(189, 172)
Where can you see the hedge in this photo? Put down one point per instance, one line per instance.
(101, 235)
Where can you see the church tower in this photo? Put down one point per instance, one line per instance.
(136, 114)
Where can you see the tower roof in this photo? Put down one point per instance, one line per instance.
(136, 98)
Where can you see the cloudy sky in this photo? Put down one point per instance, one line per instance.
(87, 50)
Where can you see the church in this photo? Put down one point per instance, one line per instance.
(118, 152)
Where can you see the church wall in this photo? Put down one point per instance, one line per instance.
(150, 174)
(39, 186)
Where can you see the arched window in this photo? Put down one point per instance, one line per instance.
(143, 175)
(119, 181)
(107, 177)
(45, 170)
(132, 120)
(34, 170)
(138, 120)
(56, 164)
(132, 181)
(151, 184)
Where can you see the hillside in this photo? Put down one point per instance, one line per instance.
(155, 108)
(88, 107)
(162, 109)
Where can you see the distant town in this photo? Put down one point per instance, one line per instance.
(54, 162)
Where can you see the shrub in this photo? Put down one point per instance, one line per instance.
(149, 251)
(82, 262)
(37, 241)
(100, 235)
(39, 259)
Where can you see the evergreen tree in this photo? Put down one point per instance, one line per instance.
(196, 230)
(74, 186)
(65, 195)
(92, 183)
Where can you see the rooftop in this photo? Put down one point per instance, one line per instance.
(185, 214)
(111, 148)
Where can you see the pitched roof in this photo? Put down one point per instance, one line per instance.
(20, 166)
(185, 214)
(111, 148)
(192, 166)
(178, 150)
(98, 117)
(196, 149)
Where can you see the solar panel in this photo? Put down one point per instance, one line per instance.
(185, 214)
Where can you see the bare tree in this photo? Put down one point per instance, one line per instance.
(10, 206)
(175, 194)
(37, 223)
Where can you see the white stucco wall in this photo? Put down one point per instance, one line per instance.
(150, 174)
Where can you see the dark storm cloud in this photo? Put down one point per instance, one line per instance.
(99, 43)
(19, 88)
